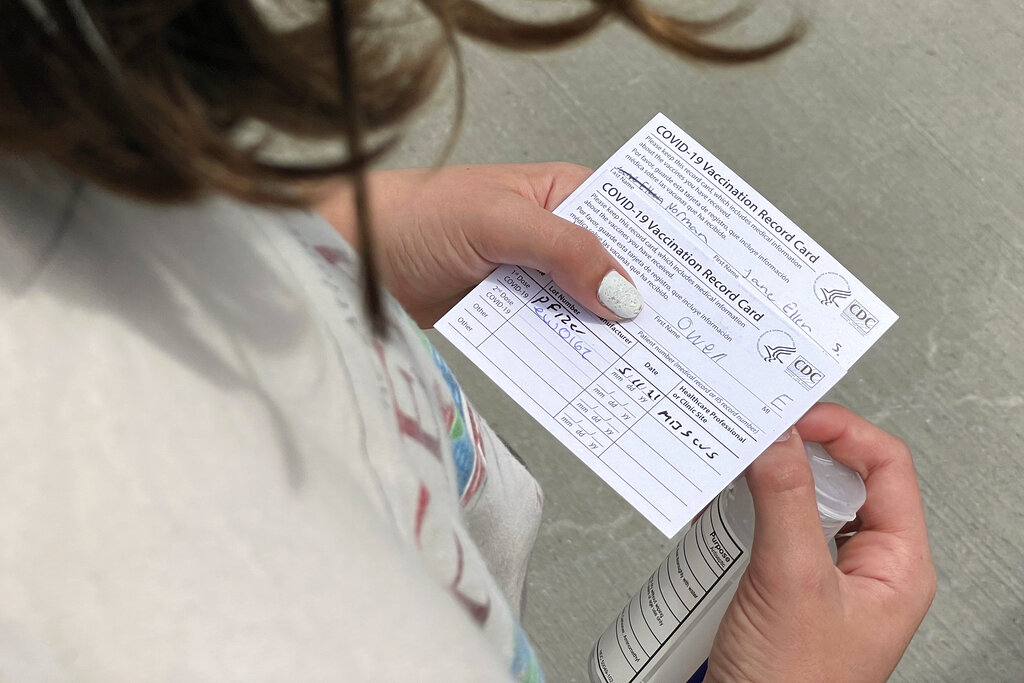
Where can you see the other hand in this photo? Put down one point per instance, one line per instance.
(795, 615)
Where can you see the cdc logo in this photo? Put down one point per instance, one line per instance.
(859, 317)
(803, 372)
(775, 346)
(831, 289)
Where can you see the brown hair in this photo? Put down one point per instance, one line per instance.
(152, 97)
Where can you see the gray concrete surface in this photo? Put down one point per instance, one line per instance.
(892, 133)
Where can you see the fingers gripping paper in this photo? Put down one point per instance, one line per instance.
(747, 322)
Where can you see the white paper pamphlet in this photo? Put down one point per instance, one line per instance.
(747, 322)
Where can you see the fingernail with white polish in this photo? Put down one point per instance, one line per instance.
(786, 435)
(619, 295)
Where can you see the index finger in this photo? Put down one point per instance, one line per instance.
(883, 461)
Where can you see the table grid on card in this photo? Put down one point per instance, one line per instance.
(605, 398)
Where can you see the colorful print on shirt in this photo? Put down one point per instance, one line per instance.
(468, 450)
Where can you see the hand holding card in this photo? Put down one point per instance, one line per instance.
(746, 323)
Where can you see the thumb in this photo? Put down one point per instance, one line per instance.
(576, 260)
(788, 540)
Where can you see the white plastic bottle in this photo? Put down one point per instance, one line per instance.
(666, 631)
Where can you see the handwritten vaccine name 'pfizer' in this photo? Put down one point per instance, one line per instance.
(552, 314)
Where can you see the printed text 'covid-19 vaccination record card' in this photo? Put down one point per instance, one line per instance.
(747, 322)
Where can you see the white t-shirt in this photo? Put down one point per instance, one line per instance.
(211, 471)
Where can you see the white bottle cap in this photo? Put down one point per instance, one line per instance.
(840, 490)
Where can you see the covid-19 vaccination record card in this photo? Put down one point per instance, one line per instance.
(746, 323)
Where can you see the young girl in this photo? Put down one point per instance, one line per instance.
(225, 455)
